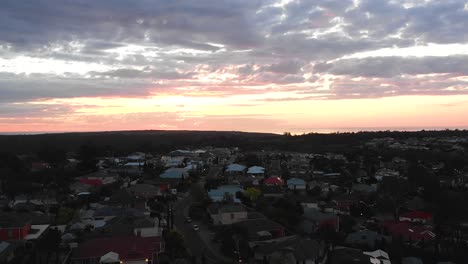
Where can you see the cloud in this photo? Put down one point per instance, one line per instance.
(146, 73)
(225, 48)
(21, 87)
(437, 85)
(36, 23)
(396, 66)
(289, 67)
(33, 110)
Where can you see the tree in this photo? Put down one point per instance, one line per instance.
(52, 155)
(251, 160)
(87, 155)
(253, 193)
(198, 193)
(174, 244)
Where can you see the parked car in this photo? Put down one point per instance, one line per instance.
(196, 228)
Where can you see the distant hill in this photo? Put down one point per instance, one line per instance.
(163, 141)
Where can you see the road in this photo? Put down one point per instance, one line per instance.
(195, 244)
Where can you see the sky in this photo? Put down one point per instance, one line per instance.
(256, 65)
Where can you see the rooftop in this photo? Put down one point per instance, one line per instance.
(128, 247)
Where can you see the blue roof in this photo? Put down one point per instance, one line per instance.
(174, 173)
(235, 168)
(296, 181)
(218, 194)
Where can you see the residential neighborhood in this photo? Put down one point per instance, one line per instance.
(386, 201)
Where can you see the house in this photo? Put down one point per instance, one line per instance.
(299, 166)
(408, 231)
(416, 204)
(144, 190)
(345, 203)
(172, 161)
(260, 229)
(235, 174)
(37, 200)
(345, 255)
(107, 213)
(416, 216)
(91, 182)
(78, 187)
(38, 166)
(314, 220)
(219, 194)
(273, 181)
(219, 156)
(134, 165)
(364, 188)
(274, 167)
(235, 169)
(296, 184)
(119, 248)
(226, 214)
(136, 156)
(378, 257)
(303, 250)
(164, 184)
(272, 191)
(366, 239)
(411, 260)
(175, 173)
(14, 227)
(256, 171)
(384, 172)
(309, 202)
(146, 227)
(104, 176)
(36, 232)
(7, 252)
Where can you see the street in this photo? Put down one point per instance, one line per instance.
(195, 244)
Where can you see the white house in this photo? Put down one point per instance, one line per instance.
(227, 214)
(378, 257)
(146, 227)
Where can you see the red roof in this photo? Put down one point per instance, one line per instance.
(128, 247)
(273, 181)
(409, 231)
(417, 215)
(93, 182)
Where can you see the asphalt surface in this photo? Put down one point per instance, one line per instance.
(194, 243)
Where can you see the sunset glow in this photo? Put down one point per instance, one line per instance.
(298, 66)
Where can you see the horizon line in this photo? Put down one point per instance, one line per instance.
(311, 131)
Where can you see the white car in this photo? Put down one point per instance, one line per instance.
(196, 227)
